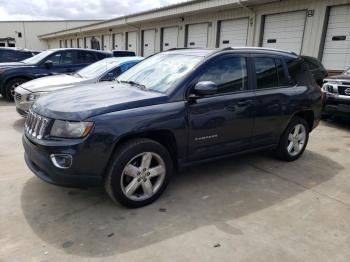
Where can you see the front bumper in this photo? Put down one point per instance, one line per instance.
(83, 173)
(337, 106)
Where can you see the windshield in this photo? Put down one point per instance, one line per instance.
(98, 68)
(37, 58)
(160, 72)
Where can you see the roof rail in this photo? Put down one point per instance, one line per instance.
(259, 48)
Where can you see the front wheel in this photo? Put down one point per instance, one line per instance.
(294, 140)
(139, 173)
(11, 86)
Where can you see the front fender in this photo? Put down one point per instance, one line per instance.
(112, 127)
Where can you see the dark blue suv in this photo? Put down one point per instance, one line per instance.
(174, 109)
(54, 61)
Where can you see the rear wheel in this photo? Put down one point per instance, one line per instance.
(11, 86)
(294, 140)
(139, 173)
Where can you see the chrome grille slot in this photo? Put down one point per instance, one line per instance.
(18, 97)
(36, 125)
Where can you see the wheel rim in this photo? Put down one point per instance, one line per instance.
(296, 140)
(143, 176)
(13, 87)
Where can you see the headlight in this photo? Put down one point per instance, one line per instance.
(34, 96)
(67, 129)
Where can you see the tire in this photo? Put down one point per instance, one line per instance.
(10, 87)
(140, 185)
(292, 145)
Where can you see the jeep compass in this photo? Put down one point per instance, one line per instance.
(173, 109)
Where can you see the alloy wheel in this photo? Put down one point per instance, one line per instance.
(143, 176)
(296, 140)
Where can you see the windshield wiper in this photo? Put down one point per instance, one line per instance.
(143, 87)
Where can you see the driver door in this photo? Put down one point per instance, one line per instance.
(62, 63)
(222, 123)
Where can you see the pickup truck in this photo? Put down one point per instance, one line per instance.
(174, 109)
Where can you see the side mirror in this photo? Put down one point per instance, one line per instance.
(48, 64)
(109, 77)
(204, 88)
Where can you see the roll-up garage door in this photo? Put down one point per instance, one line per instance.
(132, 41)
(107, 45)
(197, 35)
(285, 31)
(170, 38)
(118, 42)
(233, 32)
(74, 43)
(148, 45)
(336, 52)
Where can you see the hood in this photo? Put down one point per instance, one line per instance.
(337, 77)
(79, 103)
(52, 83)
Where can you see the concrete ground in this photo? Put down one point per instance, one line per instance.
(247, 208)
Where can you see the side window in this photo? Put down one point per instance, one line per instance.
(230, 74)
(55, 58)
(86, 58)
(8, 55)
(266, 72)
(282, 77)
(67, 58)
(294, 68)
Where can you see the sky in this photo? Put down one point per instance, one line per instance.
(75, 9)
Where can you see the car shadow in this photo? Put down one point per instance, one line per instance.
(87, 223)
(18, 125)
(338, 122)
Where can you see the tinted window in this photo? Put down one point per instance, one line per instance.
(6, 55)
(56, 58)
(67, 58)
(294, 69)
(282, 78)
(86, 58)
(230, 74)
(62, 58)
(266, 72)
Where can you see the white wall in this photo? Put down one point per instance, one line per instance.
(314, 25)
(32, 29)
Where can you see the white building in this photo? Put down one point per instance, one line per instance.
(24, 34)
(319, 28)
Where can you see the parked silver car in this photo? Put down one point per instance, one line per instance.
(104, 70)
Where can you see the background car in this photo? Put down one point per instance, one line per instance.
(8, 54)
(104, 70)
(317, 69)
(337, 94)
(53, 61)
(123, 53)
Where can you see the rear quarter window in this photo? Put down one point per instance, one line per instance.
(298, 71)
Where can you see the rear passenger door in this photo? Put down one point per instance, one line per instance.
(222, 123)
(272, 93)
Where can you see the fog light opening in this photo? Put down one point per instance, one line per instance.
(63, 161)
